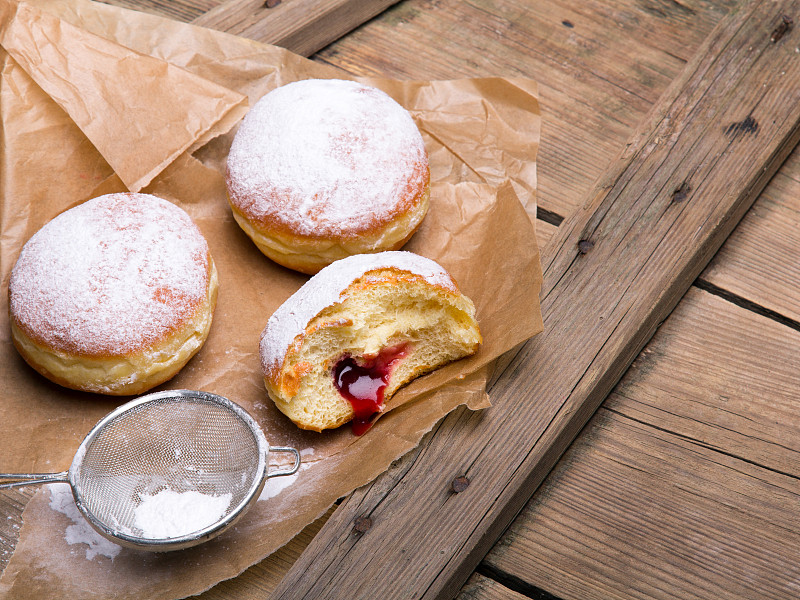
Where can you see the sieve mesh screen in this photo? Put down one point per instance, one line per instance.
(178, 443)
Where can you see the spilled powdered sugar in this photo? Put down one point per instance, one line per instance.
(326, 157)
(325, 288)
(165, 514)
(112, 275)
(80, 532)
(276, 485)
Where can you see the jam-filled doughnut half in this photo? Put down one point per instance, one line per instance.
(357, 331)
(113, 296)
(321, 169)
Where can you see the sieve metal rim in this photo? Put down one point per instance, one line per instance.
(194, 538)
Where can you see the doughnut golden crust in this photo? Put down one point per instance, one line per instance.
(323, 169)
(113, 296)
(358, 331)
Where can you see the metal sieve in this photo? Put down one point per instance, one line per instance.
(186, 442)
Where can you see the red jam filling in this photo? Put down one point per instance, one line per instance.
(362, 381)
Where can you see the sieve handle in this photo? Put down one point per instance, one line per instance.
(12, 480)
(291, 470)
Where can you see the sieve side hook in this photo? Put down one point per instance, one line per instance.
(290, 470)
(13, 480)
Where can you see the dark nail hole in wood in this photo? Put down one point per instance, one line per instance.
(782, 29)
(747, 126)
(362, 524)
(459, 484)
(585, 245)
(566, 23)
(681, 192)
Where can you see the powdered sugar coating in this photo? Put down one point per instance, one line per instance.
(326, 288)
(326, 158)
(113, 275)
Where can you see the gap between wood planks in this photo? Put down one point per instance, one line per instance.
(494, 568)
(514, 583)
(553, 218)
(743, 302)
(652, 246)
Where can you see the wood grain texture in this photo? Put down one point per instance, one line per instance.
(257, 582)
(600, 66)
(633, 528)
(479, 587)
(544, 232)
(642, 246)
(760, 260)
(180, 10)
(302, 26)
(723, 377)
(12, 502)
(663, 496)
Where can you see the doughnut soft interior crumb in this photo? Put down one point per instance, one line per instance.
(384, 309)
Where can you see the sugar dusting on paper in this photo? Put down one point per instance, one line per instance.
(276, 485)
(163, 515)
(80, 532)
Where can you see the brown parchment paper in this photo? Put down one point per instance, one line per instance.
(95, 99)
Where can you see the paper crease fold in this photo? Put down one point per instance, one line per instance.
(139, 112)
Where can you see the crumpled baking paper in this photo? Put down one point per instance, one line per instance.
(96, 99)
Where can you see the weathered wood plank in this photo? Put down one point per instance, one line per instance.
(479, 587)
(663, 495)
(302, 26)
(600, 66)
(759, 262)
(724, 377)
(180, 10)
(720, 376)
(12, 502)
(257, 582)
(544, 232)
(627, 525)
(700, 380)
(646, 232)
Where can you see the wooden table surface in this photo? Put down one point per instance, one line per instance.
(673, 469)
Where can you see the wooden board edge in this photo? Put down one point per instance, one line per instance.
(301, 26)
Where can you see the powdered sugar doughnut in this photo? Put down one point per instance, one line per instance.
(323, 169)
(359, 330)
(113, 296)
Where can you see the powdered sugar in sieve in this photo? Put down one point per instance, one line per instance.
(168, 470)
